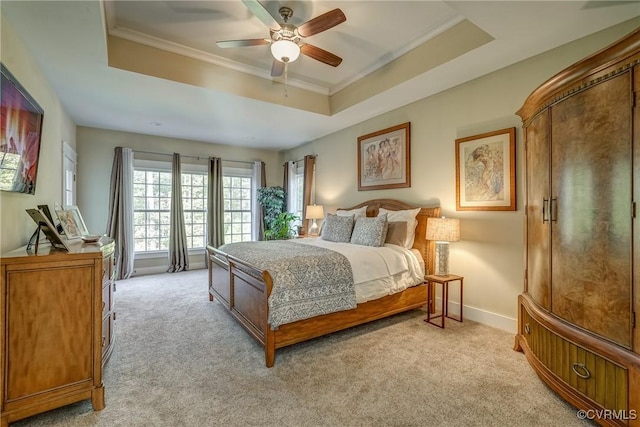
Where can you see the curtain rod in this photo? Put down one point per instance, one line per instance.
(302, 159)
(192, 157)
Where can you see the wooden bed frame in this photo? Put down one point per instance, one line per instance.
(244, 290)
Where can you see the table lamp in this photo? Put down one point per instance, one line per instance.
(314, 212)
(442, 231)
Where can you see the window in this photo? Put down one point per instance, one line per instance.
(152, 204)
(9, 163)
(194, 205)
(299, 195)
(295, 198)
(237, 207)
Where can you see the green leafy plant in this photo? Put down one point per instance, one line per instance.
(272, 200)
(280, 228)
(277, 222)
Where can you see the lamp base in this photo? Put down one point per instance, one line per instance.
(442, 258)
(313, 230)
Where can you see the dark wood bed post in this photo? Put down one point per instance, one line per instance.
(269, 334)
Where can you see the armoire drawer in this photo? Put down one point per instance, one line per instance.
(594, 376)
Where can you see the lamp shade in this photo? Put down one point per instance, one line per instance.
(285, 50)
(443, 229)
(315, 212)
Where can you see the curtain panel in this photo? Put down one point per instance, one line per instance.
(178, 251)
(215, 204)
(259, 180)
(309, 174)
(120, 222)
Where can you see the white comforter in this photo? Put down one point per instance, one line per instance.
(377, 271)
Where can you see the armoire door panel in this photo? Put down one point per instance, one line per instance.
(591, 196)
(636, 198)
(537, 246)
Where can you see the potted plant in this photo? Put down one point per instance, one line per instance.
(277, 222)
(280, 228)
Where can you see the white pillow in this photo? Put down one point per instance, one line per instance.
(355, 212)
(409, 216)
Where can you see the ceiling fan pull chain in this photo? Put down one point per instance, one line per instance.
(286, 79)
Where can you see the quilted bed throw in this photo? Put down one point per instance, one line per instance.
(307, 280)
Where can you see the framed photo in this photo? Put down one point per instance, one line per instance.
(384, 159)
(71, 222)
(21, 130)
(486, 171)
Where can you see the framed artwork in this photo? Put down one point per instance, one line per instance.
(20, 134)
(71, 222)
(384, 159)
(486, 171)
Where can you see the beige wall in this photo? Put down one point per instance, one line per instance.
(490, 253)
(15, 225)
(95, 149)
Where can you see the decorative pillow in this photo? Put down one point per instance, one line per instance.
(337, 228)
(370, 231)
(396, 233)
(357, 213)
(408, 216)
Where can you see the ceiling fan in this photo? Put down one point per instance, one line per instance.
(287, 40)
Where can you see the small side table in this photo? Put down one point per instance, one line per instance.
(431, 280)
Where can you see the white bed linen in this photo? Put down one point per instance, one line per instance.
(377, 271)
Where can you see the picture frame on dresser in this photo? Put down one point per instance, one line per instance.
(486, 171)
(71, 222)
(49, 230)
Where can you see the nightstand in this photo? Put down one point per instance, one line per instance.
(431, 280)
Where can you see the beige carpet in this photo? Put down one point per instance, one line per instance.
(181, 360)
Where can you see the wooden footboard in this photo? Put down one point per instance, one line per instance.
(244, 291)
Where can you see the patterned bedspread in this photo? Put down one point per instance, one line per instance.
(307, 280)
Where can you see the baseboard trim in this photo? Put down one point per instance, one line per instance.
(143, 271)
(488, 318)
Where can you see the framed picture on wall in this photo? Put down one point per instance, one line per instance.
(384, 159)
(71, 222)
(486, 171)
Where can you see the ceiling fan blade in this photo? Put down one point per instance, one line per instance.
(277, 68)
(242, 43)
(320, 55)
(322, 23)
(261, 13)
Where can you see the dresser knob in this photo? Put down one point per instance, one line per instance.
(104, 340)
(580, 370)
(527, 328)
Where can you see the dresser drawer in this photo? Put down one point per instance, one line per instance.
(107, 334)
(107, 268)
(107, 299)
(594, 376)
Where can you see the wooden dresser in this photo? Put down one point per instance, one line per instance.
(577, 316)
(56, 327)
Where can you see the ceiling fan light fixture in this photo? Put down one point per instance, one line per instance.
(285, 50)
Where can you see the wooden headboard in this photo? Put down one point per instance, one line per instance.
(426, 247)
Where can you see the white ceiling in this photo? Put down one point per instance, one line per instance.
(68, 39)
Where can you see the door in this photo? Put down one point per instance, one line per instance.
(591, 212)
(537, 210)
(69, 164)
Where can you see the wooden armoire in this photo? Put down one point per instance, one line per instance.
(577, 316)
